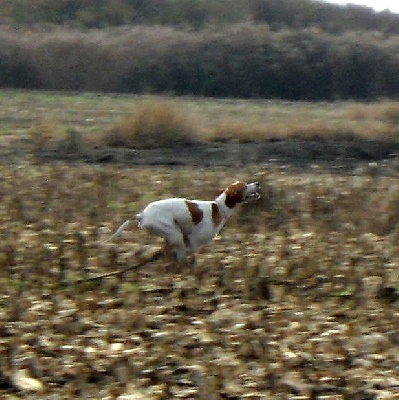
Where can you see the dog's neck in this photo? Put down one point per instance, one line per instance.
(226, 207)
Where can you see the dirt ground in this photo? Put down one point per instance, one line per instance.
(349, 155)
(297, 299)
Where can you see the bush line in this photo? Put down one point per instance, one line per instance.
(242, 60)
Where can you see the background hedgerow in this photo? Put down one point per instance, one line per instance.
(291, 49)
(241, 60)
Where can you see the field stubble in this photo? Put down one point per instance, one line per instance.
(298, 298)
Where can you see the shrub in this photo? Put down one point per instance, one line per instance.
(157, 123)
(49, 134)
(44, 133)
(72, 143)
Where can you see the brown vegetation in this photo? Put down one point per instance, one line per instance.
(155, 123)
(298, 297)
(296, 50)
(242, 60)
(55, 120)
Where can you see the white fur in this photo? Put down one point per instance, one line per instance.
(183, 233)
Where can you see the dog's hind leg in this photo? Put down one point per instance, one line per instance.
(174, 239)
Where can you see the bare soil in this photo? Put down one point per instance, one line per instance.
(297, 299)
(343, 154)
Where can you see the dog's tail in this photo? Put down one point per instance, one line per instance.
(119, 230)
(137, 218)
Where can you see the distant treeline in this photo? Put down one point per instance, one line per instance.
(291, 49)
(198, 13)
(243, 60)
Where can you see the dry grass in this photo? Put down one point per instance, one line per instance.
(305, 129)
(390, 113)
(148, 121)
(44, 132)
(377, 121)
(155, 123)
(298, 297)
(77, 123)
(49, 134)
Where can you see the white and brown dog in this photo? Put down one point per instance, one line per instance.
(188, 224)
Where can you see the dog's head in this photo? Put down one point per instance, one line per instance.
(239, 192)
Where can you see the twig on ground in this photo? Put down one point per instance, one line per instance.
(153, 258)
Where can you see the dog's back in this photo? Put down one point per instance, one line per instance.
(164, 212)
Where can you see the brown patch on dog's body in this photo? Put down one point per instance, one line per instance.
(186, 240)
(234, 194)
(196, 213)
(216, 215)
